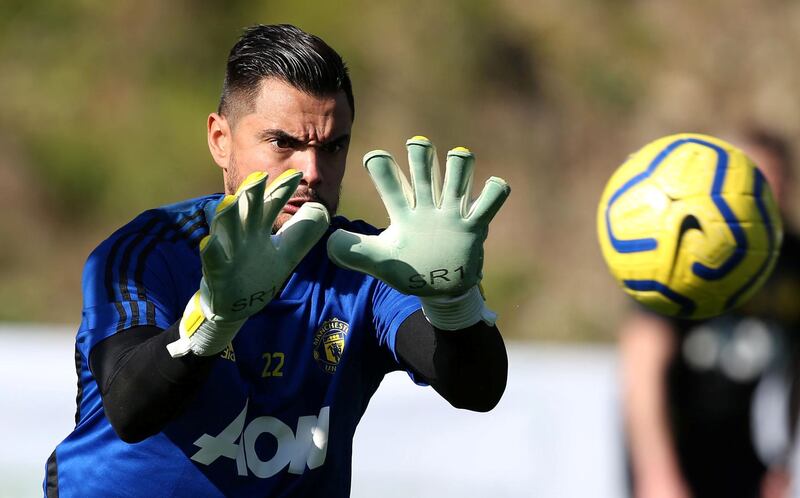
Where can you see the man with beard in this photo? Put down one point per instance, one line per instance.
(230, 343)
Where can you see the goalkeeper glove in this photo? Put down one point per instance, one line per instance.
(244, 266)
(433, 247)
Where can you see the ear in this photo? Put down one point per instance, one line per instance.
(219, 139)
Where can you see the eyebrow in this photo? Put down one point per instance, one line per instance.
(277, 133)
(283, 135)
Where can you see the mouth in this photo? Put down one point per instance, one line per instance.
(294, 204)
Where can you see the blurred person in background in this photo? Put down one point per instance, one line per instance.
(230, 343)
(706, 402)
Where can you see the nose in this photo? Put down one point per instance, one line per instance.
(309, 165)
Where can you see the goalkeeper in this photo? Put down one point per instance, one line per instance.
(231, 343)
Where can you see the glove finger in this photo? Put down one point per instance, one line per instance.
(494, 194)
(213, 253)
(390, 182)
(251, 204)
(227, 225)
(458, 178)
(356, 251)
(424, 168)
(277, 194)
(298, 235)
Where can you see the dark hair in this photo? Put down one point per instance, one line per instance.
(287, 53)
(772, 142)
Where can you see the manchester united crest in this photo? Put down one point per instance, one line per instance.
(329, 343)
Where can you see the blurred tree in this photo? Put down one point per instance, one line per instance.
(105, 108)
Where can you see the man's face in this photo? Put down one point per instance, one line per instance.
(287, 128)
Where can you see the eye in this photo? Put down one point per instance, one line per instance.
(335, 146)
(332, 148)
(282, 143)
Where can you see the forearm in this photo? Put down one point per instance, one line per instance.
(141, 385)
(646, 347)
(467, 367)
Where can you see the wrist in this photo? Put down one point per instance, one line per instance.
(457, 312)
(201, 331)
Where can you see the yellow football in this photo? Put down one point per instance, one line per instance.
(688, 226)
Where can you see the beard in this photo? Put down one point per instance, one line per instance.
(232, 178)
(304, 193)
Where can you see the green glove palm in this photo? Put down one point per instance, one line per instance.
(244, 265)
(433, 247)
